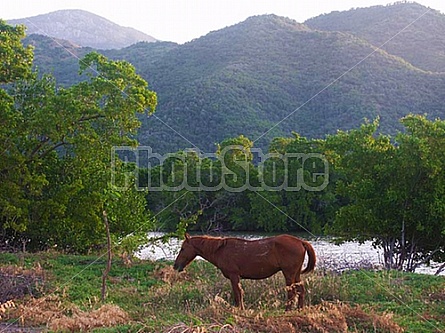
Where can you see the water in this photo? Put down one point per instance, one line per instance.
(330, 256)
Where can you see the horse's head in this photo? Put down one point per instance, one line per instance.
(186, 254)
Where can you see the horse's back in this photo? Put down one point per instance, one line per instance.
(289, 241)
(284, 242)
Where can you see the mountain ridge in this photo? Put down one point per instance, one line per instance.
(83, 28)
(404, 29)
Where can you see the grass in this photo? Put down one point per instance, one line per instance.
(63, 293)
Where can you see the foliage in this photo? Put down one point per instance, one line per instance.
(16, 59)
(57, 164)
(395, 190)
(230, 192)
(205, 189)
(16, 64)
(297, 179)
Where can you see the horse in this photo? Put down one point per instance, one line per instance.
(239, 258)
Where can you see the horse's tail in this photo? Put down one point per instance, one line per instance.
(312, 258)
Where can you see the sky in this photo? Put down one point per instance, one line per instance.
(183, 20)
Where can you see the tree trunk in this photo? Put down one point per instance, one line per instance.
(402, 256)
(109, 257)
(440, 269)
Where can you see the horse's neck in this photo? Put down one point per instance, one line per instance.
(207, 247)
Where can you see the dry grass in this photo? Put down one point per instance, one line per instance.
(106, 316)
(41, 311)
(168, 275)
(183, 328)
(52, 312)
(323, 318)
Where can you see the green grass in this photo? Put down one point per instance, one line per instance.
(417, 300)
(160, 300)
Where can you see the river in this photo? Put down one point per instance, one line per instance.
(330, 256)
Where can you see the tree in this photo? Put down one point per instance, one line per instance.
(57, 167)
(209, 187)
(294, 176)
(394, 190)
(16, 62)
(421, 161)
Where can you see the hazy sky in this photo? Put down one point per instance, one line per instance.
(183, 20)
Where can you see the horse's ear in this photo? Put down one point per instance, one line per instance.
(187, 236)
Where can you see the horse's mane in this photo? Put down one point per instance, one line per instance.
(208, 243)
(209, 237)
(221, 238)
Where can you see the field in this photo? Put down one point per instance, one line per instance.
(56, 292)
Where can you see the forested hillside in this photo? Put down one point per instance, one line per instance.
(409, 30)
(269, 76)
(272, 73)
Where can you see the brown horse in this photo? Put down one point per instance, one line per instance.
(252, 259)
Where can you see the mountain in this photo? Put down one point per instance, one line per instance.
(266, 77)
(83, 28)
(269, 76)
(409, 30)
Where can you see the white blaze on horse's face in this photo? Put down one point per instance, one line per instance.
(185, 256)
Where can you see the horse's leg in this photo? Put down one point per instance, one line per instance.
(237, 290)
(294, 288)
(300, 291)
(290, 278)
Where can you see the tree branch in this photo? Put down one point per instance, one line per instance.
(38, 147)
(58, 145)
(87, 118)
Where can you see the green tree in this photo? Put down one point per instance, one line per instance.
(394, 191)
(240, 179)
(16, 62)
(421, 161)
(293, 175)
(212, 188)
(237, 168)
(58, 152)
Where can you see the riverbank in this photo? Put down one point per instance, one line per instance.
(331, 256)
(51, 290)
